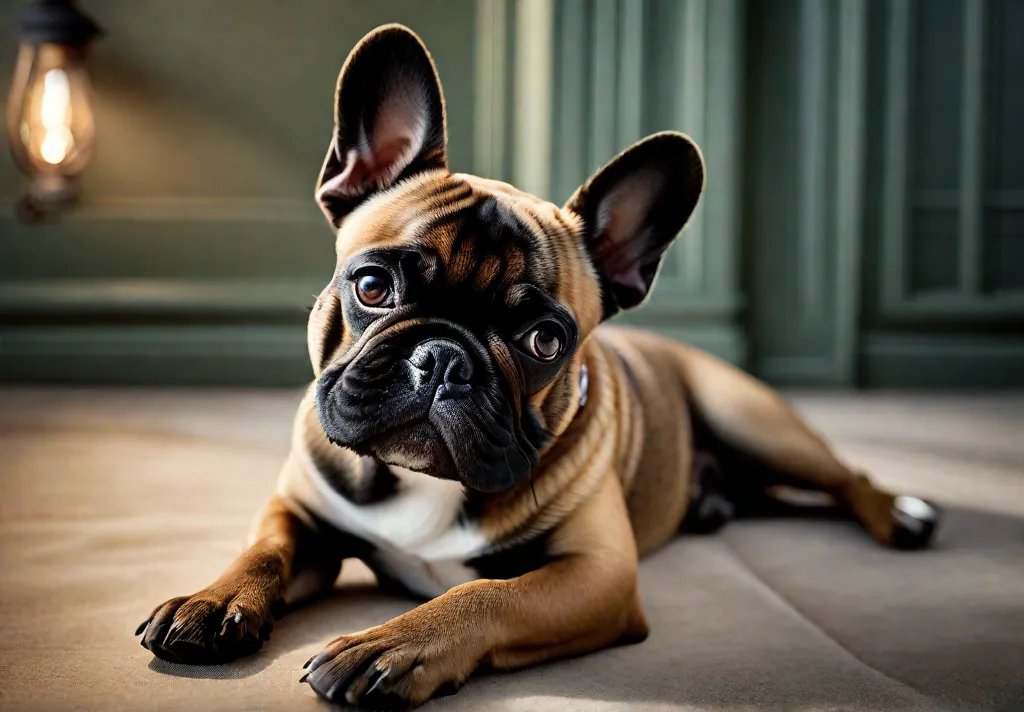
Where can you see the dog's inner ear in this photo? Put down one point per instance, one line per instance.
(389, 120)
(632, 210)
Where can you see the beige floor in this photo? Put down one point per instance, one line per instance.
(111, 501)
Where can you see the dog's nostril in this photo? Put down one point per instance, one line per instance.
(441, 362)
(459, 372)
(423, 360)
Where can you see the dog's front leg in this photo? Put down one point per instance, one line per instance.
(585, 599)
(232, 617)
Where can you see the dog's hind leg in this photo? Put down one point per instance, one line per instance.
(759, 434)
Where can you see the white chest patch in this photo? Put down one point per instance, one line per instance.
(416, 531)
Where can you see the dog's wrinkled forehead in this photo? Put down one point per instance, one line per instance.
(385, 182)
(473, 233)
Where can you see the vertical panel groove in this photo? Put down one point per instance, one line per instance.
(570, 146)
(631, 79)
(971, 147)
(690, 116)
(813, 181)
(850, 130)
(489, 110)
(604, 57)
(894, 179)
(535, 24)
(722, 219)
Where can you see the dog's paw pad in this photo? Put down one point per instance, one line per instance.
(914, 522)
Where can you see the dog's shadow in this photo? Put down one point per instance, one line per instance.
(772, 611)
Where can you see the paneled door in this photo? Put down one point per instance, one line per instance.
(884, 240)
(944, 285)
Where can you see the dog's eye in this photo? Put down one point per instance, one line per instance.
(373, 288)
(543, 343)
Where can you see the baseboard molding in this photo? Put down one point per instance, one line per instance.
(277, 211)
(705, 323)
(207, 354)
(816, 371)
(154, 298)
(275, 355)
(168, 355)
(246, 299)
(725, 342)
(932, 361)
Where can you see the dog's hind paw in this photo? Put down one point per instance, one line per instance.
(914, 522)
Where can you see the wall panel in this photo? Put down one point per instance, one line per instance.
(863, 221)
(197, 249)
(946, 285)
(626, 69)
(806, 133)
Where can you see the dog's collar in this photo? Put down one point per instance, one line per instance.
(584, 385)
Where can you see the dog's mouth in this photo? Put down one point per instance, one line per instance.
(434, 407)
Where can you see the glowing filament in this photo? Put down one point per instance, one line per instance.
(56, 116)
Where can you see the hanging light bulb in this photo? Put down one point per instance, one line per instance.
(49, 111)
(56, 117)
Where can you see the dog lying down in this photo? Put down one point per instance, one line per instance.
(475, 434)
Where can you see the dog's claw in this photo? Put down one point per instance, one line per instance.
(375, 685)
(311, 658)
(318, 660)
(232, 628)
(364, 684)
(142, 627)
(332, 691)
(173, 634)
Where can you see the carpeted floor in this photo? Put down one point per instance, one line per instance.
(113, 501)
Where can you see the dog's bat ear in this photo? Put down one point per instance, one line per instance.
(632, 210)
(389, 120)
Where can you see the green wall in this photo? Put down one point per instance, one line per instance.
(943, 296)
(625, 69)
(863, 225)
(885, 197)
(197, 248)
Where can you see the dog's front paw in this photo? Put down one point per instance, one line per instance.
(207, 628)
(392, 666)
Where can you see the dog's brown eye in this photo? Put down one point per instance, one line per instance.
(373, 289)
(543, 343)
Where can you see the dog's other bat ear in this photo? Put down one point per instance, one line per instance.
(389, 120)
(632, 210)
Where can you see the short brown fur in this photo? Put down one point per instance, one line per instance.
(611, 485)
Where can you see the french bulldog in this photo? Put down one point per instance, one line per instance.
(475, 433)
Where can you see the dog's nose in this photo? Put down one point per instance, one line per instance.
(443, 364)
